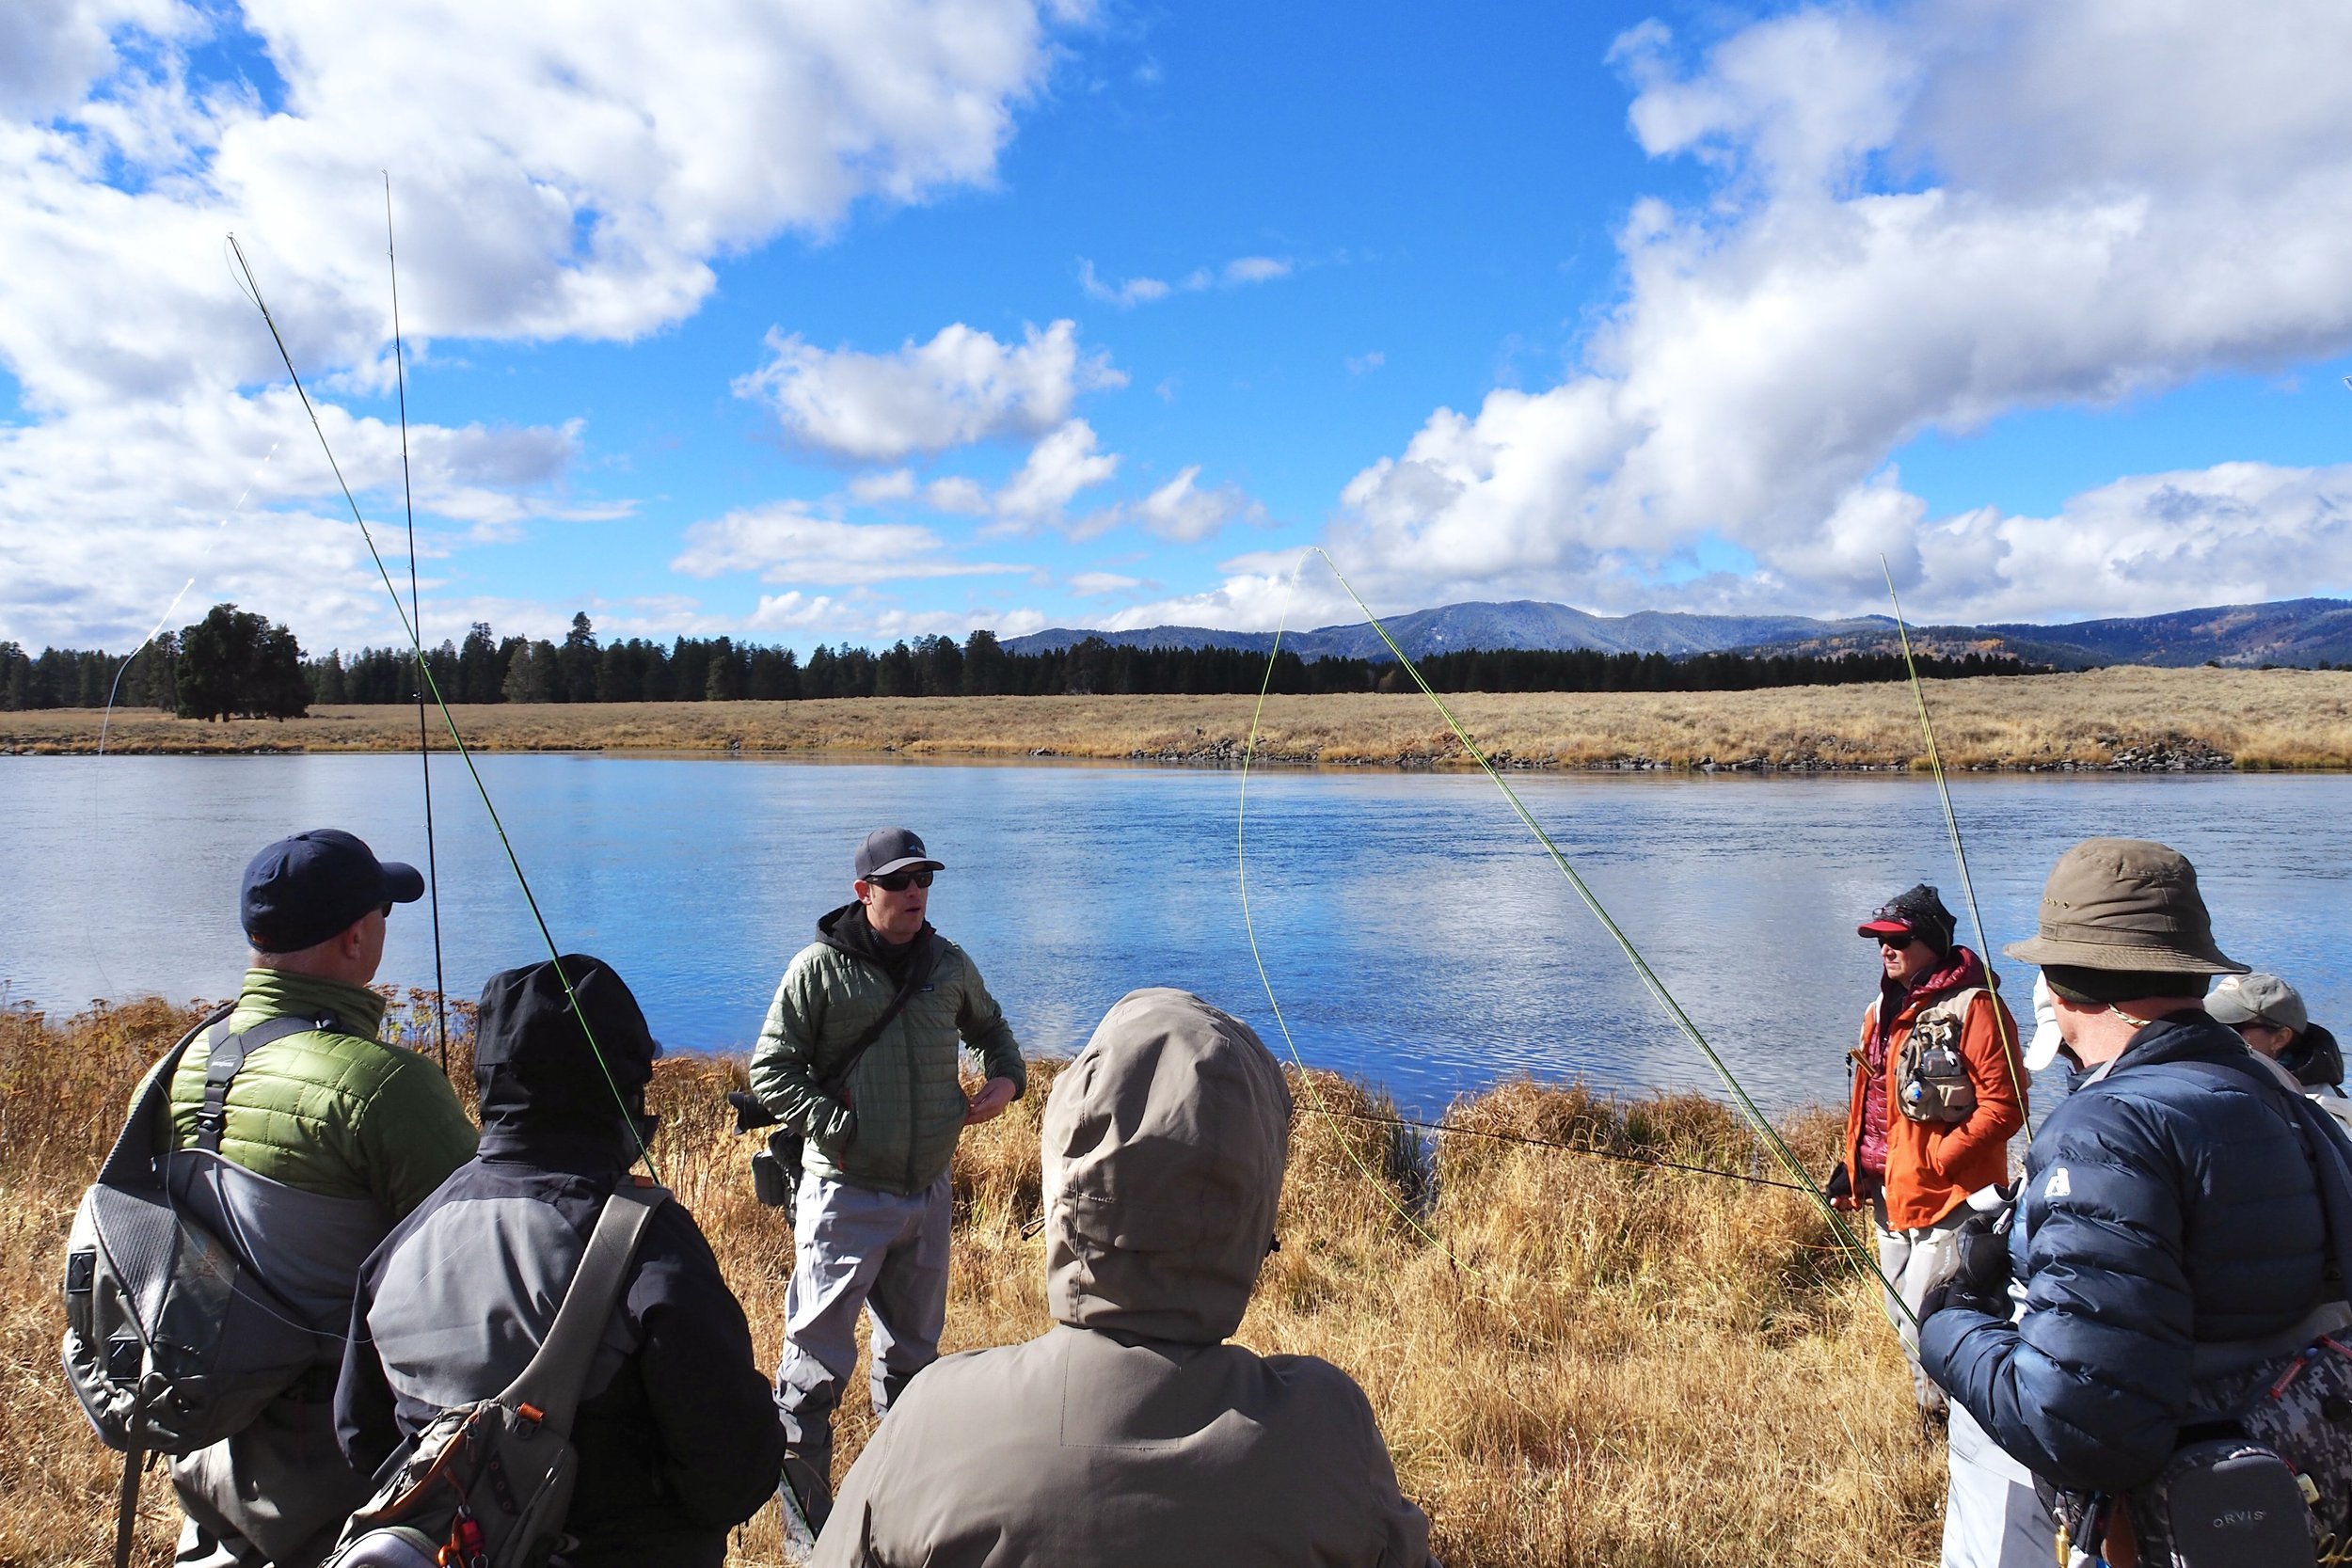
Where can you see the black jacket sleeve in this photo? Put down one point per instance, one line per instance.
(722, 1446)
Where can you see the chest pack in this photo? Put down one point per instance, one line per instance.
(172, 1341)
(1931, 1075)
(488, 1485)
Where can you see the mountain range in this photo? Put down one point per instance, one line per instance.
(2290, 631)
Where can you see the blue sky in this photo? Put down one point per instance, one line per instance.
(932, 314)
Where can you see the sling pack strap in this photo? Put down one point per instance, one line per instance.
(227, 1057)
(919, 970)
(551, 1384)
(132, 1157)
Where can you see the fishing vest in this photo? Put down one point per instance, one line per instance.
(1931, 1082)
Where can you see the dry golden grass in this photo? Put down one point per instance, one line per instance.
(2262, 717)
(1576, 1362)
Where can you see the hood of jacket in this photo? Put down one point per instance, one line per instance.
(2314, 1058)
(1163, 1148)
(846, 930)
(540, 1073)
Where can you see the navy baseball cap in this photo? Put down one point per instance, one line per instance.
(302, 890)
(888, 849)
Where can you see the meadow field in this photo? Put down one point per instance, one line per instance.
(1576, 1361)
(2130, 717)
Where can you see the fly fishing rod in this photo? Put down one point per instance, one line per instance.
(424, 673)
(2009, 1054)
(1755, 1116)
(424, 751)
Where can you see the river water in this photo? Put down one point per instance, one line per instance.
(1413, 933)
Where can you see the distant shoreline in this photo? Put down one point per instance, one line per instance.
(2125, 718)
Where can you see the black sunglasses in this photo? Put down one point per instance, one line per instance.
(895, 881)
(1896, 943)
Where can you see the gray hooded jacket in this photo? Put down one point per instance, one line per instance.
(1132, 1433)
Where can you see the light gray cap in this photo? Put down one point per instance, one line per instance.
(2257, 999)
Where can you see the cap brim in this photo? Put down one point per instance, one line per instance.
(912, 862)
(1883, 929)
(2100, 954)
(403, 884)
(2222, 1011)
(2043, 1048)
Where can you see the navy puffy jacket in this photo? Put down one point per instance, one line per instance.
(2165, 1205)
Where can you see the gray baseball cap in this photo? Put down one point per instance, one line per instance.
(2125, 904)
(888, 849)
(2257, 999)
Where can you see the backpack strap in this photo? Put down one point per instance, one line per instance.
(133, 1158)
(551, 1384)
(229, 1052)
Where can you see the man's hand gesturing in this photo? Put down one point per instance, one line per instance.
(990, 1102)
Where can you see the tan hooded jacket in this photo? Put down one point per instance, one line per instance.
(1132, 1433)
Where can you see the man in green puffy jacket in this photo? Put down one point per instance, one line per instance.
(317, 1144)
(859, 1057)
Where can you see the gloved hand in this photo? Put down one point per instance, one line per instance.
(1981, 1283)
(750, 1114)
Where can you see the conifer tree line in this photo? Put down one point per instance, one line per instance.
(232, 664)
(238, 660)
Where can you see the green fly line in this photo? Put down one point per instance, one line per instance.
(424, 673)
(2009, 1054)
(1755, 1116)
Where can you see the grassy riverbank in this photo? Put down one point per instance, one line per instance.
(2130, 718)
(1581, 1362)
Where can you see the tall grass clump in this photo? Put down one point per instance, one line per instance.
(1578, 1361)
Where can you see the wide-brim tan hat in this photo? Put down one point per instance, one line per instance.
(2125, 904)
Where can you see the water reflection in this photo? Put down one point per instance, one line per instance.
(1414, 933)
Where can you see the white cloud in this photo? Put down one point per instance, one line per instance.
(1141, 290)
(1258, 593)
(784, 543)
(793, 610)
(962, 385)
(1178, 511)
(104, 514)
(1364, 364)
(957, 496)
(560, 171)
(1056, 469)
(1256, 269)
(1087, 584)
(1134, 291)
(2236, 534)
(1921, 219)
(894, 485)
